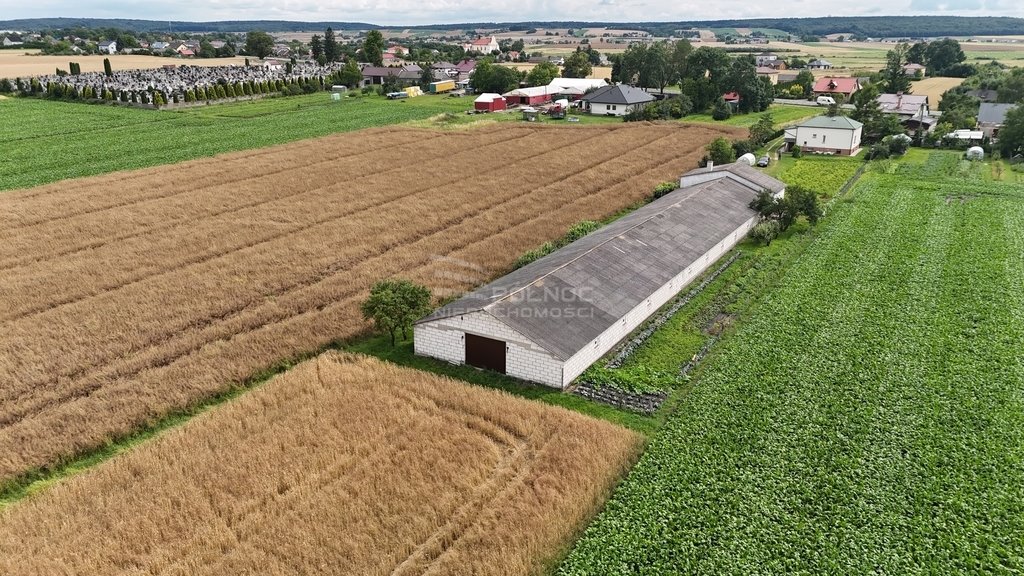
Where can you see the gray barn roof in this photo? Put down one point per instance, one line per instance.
(989, 113)
(743, 171)
(564, 301)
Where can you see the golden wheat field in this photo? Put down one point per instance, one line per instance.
(342, 465)
(126, 296)
(17, 63)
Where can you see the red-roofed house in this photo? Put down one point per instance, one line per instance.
(836, 86)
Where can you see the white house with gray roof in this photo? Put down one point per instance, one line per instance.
(550, 320)
(616, 100)
(827, 135)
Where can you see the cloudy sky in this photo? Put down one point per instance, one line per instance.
(396, 12)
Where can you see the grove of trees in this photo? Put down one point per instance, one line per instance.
(259, 44)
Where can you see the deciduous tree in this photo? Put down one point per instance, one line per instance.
(259, 44)
(394, 305)
(577, 65)
(542, 74)
(1011, 135)
(941, 55)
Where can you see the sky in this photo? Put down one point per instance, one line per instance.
(416, 12)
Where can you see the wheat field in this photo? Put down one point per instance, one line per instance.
(127, 296)
(342, 465)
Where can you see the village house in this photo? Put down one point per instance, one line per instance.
(826, 135)
(407, 75)
(617, 100)
(991, 118)
(840, 88)
(768, 72)
(766, 58)
(819, 64)
(914, 70)
(107, 47)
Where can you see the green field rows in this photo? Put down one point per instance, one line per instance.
(867, 418)
(45, 141)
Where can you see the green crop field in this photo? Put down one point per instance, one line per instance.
(867, 417)
(782, 114)
(825, 174)
(46, 141)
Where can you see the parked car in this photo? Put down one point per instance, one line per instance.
(825, 100)
(763, 161)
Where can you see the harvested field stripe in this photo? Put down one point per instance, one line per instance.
(232, 162)
(333, 468)
(169, 221)
(135, 353)
(170, 265)
(216, 323)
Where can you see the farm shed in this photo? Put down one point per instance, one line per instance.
(489, 102)
(550, 320)
(531, 96)
(574, 88)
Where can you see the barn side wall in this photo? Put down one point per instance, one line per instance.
(445, 339)
(635, 317)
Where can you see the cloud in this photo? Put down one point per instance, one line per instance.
(413, 12)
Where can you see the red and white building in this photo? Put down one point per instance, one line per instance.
(482, 45)
(489, 102)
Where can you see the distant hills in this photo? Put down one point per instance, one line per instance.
(870, 26)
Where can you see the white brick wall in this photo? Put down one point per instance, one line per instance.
(635, 317)
(445, 338)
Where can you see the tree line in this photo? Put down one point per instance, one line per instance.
(703, 75)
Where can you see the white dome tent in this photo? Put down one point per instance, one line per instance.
(975, 153)
(748, 159)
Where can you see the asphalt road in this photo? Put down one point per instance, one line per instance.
(808, 103)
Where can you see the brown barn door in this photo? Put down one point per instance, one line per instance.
(485, 353)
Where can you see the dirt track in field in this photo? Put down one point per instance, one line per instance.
(127, 296)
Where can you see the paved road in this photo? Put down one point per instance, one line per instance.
(809, 103)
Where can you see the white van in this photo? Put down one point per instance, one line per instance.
(825, 100)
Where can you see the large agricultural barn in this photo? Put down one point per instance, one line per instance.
(550, 320)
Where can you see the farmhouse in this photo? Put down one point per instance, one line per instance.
(903, 104)
(767, 58)
(914, 69)
(107, 47)
(768, 72)
(991, 118)
(843, 87)
(827, 135)
(404, 76)
(550, 320)
(819, 64)
(616, 100)
(488, 102)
